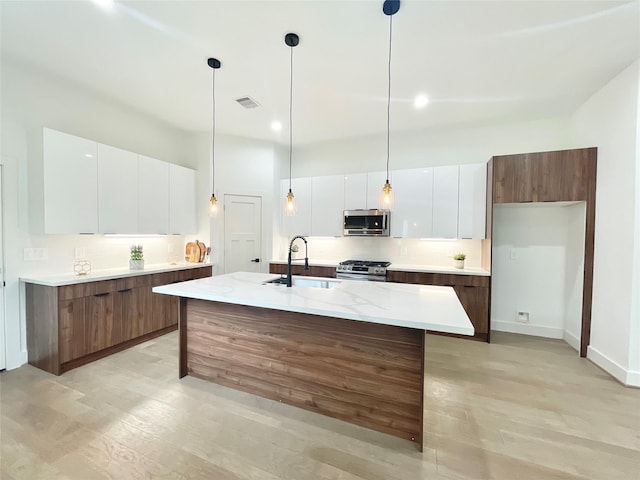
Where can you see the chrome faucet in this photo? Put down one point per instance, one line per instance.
(306, 257)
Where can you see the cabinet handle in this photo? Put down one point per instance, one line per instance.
(101, 294)
(125, 290)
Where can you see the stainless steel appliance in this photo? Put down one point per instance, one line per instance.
(370, 223)
(363, 270)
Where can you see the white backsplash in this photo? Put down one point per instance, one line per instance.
(394, 250)
(103, 252)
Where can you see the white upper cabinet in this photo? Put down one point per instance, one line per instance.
(182, 200)
(327, 206)
(445, 202)
(412, 208)
(117, 190)
(375, 182)
(300, 223)
(70, 180)
(355, 191)
(472, 201)
(153, 196)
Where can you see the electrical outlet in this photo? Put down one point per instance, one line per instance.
(80, 253)
(522, 317)
(514, 254)
(36, 254)
(403, 251)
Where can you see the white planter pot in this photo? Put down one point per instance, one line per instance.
(458, 263)
(136, 264)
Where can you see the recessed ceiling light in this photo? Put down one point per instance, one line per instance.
(276, 126)
(106, 4)
(421, 101)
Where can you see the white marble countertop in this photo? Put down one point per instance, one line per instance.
(57, 280)
(400, 267)
(414, 306)
(404, 267)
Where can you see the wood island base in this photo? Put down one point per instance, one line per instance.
(365, 373)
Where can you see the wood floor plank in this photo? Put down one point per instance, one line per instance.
(128, 416)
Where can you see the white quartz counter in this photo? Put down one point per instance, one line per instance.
(402, 267)
(399, 267)
(106, 274)
(414, 306)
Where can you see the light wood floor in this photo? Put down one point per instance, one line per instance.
(521, 408)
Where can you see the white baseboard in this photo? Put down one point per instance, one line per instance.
(631, 379)
(572, 340)
(527, 329)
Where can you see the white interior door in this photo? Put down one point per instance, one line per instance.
(242, 233)
(3, 364)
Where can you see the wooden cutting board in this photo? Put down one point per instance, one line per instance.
(192, 252)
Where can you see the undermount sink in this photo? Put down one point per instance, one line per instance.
(305, 282)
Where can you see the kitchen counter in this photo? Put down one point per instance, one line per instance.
(401, 267)
(412, 306)
(57, 280)
(353, 352)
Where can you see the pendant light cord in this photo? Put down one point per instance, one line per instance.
(213, 134)
(290, 113)
(389, 94)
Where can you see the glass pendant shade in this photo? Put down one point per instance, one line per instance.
(290, 208)
(387, 197)
(213, 206)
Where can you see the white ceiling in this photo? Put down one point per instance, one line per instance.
(478, 61)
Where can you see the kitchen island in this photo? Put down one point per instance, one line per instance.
(348, 349)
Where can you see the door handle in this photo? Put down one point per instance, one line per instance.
(256, 260)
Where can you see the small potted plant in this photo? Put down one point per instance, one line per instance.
(294, 251)
(136, 262)
(458, 260)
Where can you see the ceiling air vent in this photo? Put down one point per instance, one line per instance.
(247, 102)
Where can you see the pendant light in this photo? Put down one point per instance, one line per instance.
(390, 8)
(215, 64)
(292, 40)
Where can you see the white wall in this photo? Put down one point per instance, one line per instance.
(243, 166)
(609, 120)
(531, 249)
(33, 99)
(574, 273)
(429, 148)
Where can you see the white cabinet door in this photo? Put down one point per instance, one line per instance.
(327, 206)
(300, 223)
(472, 201)
(375, 182)
(70, 183)
(445, 202)
(117, 190)
(182, 200)
(412, 213)
(355, 191)
(153, 195)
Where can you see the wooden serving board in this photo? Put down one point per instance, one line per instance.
(194, 252)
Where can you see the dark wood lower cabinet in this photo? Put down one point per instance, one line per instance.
(473, 292)
(297, 269)
(72, 325)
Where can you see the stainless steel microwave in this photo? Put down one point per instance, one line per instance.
(369, 223)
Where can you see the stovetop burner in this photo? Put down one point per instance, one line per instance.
(363, 270)
(365, 263)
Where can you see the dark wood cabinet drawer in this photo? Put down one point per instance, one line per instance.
(297, 269)
(473, 291)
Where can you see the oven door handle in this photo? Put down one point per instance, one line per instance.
(364, 276)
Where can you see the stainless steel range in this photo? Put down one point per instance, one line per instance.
(363, 270)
